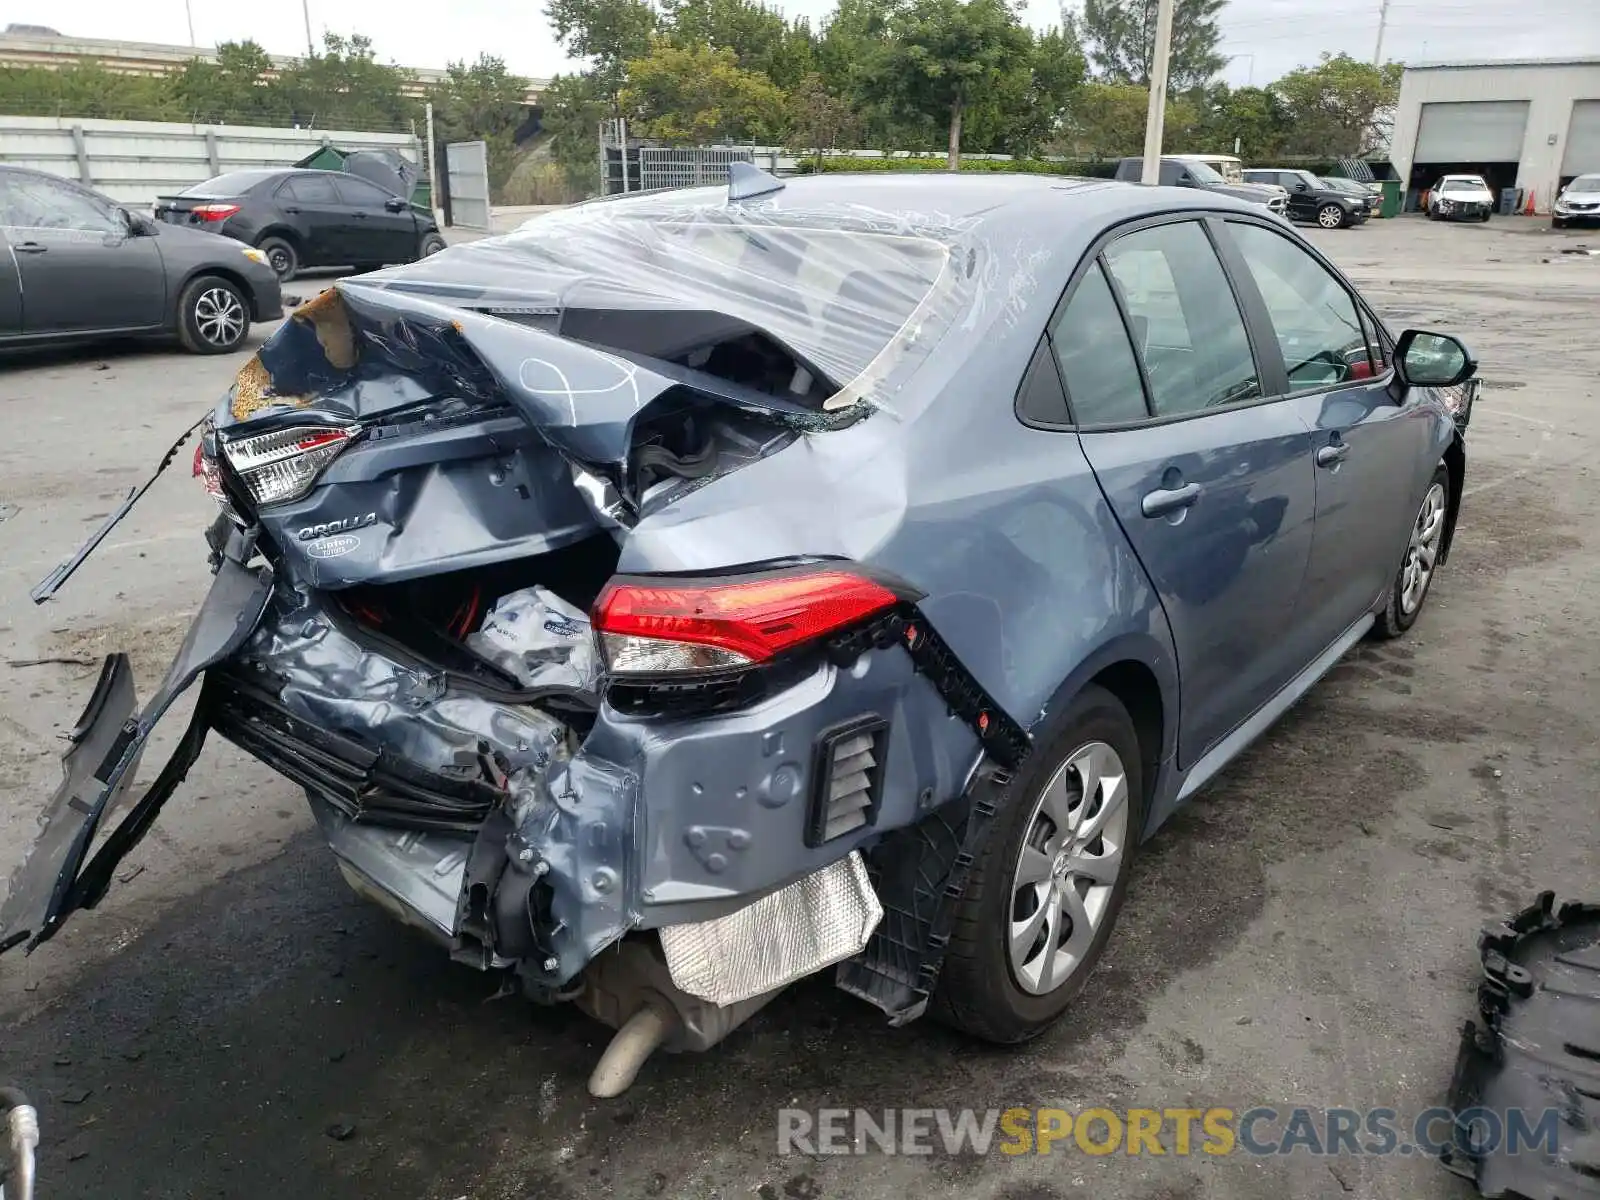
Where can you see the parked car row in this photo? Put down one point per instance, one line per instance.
(1192, 171)
(80, 265)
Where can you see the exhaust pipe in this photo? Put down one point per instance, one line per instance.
(22, 1123)
(640, 1036)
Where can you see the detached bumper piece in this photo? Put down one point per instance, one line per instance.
(1534, 1063)
(366, 785)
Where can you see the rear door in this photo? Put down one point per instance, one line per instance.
(1370, 451)
(319, 217)
(79, 266)
(385, 236)
(1211, 482)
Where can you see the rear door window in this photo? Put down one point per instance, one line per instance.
(1187, 327)
(1096, 359)
(309, 189)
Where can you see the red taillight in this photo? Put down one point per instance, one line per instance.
(214, 212)
(205, 470)
(650, 627)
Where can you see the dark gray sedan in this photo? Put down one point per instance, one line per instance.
(76, 265)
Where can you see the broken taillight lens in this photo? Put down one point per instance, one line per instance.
(284, 464)
(658, 626)
(205, 470)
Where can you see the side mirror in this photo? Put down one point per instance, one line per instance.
(1302, 187)
(137, 224)
(394, 204)
(1424, 359)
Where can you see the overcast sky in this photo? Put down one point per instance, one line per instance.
(1267, 37)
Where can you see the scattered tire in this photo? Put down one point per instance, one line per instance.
(1412, 582)
(281, 257)
(213, 316)
(1043, 896)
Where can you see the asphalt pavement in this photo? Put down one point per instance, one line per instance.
(234, 1022)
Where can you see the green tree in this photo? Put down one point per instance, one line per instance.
(610, 33)
(482, 101)
(1108, 120)
(694, 94)
(234, 89)
(1249, 116)
(1034, 101)
(820, 119)
(1335, 107)
(760, 38)
(574, 106)
(87, 90)
(938, 56)
(1121, 37)
(344, 86)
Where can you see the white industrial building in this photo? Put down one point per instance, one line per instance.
(1530, 124)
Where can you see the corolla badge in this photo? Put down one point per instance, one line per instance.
(346, 525)
(333, 547)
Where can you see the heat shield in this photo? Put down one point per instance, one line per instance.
(798, 930)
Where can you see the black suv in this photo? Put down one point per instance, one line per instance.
(1312, 199)
(307, 218)
(1186, 172)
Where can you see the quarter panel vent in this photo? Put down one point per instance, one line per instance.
(847, 779)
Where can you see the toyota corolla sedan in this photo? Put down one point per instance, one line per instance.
(696, 591)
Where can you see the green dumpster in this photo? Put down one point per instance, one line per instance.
(1392, 195)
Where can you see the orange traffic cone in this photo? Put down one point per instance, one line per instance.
(1530, 210)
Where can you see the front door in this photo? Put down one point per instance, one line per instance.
(1368, 447)
(1211, 483)
(1302, 204)
(384, 236)
(80, 266)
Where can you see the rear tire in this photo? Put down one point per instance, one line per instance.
(213, 316)
(281, 257)
(432, 243)
(1012, 967)
(1412, 583)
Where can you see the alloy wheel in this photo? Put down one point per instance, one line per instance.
(1071, 858)
(1426, 536)
(1329, 217)
(219, 316)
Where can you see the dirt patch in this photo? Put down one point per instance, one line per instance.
(1510, 526)
(150, 642)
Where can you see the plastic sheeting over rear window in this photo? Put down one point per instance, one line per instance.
(858, 297)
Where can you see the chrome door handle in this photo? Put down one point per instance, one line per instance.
(1169, 500)
(1332, 455)
(30, 248)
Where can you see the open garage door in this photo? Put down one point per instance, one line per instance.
(1583, 140)
(1484, 131)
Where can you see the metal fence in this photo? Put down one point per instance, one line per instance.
(467, 167)
(133, 162)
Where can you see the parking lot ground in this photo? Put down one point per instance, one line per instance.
(233, 1022)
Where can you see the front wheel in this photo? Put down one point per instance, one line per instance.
(431, 244)
(213, 317)
(1330, 216)
(1557, 223)
(1410, 587)
(1044, 893)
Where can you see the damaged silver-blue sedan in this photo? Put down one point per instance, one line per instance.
(696, 591)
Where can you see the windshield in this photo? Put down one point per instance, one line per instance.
(1585, 183)
(1319, 183)
(235, 183)
(1204, 173)
(855, 304)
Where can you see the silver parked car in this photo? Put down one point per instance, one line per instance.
(75, 265)
(1579, 202)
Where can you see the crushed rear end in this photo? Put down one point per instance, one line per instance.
(658, 787)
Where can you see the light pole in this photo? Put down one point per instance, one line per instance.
(305, 11)
(1250, 79)
(188, 12)
(1158, 94)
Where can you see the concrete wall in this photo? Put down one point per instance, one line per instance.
(135, 161)
(1549, 87)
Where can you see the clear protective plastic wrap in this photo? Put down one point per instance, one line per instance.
(539, 639)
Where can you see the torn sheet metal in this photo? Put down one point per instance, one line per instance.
(1532, 1068)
